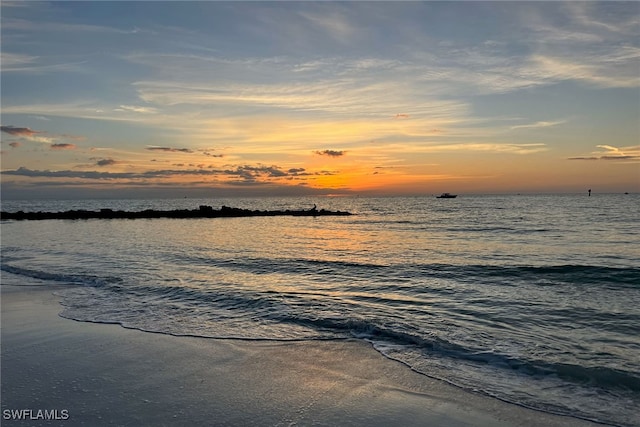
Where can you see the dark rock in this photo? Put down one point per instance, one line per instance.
(202, 212)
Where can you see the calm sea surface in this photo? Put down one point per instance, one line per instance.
(532, 299)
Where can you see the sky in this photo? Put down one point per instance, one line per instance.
(153, 99)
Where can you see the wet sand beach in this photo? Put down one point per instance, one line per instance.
(98, 374)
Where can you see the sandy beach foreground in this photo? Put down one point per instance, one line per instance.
(87, 374)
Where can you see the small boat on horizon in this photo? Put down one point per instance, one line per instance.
(447, 196)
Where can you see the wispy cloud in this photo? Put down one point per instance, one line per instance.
(18, 131)
(56, 142)
(87, 109)
(21, 4)
(27, 134)
(590, 18)
(332, 22)
(169, 149)
(105, 162)
(63, 146)
(582, 158)
(210, 154)
(297, 171)
(355, 97)
(17, 62)
(16, 24)
(245, 172)
(605, 71)
(623, 154)
(495, 147)
(541, 124)
(137, 109)
(331, 153)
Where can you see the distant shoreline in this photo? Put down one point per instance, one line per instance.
(202, 212)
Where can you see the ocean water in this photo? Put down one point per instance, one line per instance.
(533, 300)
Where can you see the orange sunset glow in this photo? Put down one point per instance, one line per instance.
(355, 98)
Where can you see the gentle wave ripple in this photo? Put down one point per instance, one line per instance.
(526, 299)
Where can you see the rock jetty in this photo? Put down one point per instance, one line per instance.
(201, 212)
